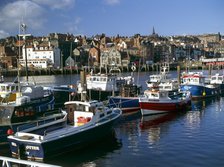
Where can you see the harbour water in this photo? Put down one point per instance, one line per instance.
(192, 138)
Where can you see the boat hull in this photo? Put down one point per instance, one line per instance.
(126, 104)
(201, 91)
(158, 107)
(100, 95)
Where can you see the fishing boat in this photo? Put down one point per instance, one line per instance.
(100, 86)
(155, 101)
(163, 80)
(21, 103)
(85, 122)
(197, 84)
(218, 80)
(157, 78)
(127, 100)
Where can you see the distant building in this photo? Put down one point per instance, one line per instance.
(210, 38)
(7, 57)
(94, 56)
(69, 63)
(41, 56)
(110, 57)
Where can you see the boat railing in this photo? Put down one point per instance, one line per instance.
(6, 162)
(52, 112)
(46, 119)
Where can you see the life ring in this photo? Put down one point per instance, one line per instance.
(133, 68)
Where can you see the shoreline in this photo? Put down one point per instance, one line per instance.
(49, 71)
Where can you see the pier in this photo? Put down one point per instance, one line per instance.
(8, 162)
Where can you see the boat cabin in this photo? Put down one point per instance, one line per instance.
(80, 112)
(155, 78)
(8, 90)
(155, 94)
(170, 85)
(101, 82)
(217, 79)
(193, 78)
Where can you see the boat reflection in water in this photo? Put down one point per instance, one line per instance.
(151, 124)
(195, 116)
(200, 105)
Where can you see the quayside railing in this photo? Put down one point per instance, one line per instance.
(12, 162)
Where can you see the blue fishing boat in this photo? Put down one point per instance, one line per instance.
(84, 123)
(195, 82)
(127, 100)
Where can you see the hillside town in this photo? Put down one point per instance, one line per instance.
(58, 51)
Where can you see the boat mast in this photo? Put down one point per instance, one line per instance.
(18, 65)
(83, 85)
(70, 63)
(24, 35)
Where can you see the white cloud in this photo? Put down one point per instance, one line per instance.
(3, 34)
(112, 2)
(34, 13)
(56, 4)
(13, 13)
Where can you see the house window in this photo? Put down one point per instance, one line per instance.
(118, 62)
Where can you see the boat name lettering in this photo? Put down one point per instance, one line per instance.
(32, 148)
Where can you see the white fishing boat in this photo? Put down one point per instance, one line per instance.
(218, 80)
(163, 80)
(100, 86)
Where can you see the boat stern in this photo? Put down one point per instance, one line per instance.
(22, 148)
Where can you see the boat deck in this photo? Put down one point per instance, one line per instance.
(61, 130)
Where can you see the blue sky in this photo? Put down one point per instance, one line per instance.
(112, 17)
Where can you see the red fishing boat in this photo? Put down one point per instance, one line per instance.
(155, 101)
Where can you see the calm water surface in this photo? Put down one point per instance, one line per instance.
(193, 138)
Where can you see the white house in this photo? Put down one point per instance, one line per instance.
(110, 57)
(122, 45)
(41, 56)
